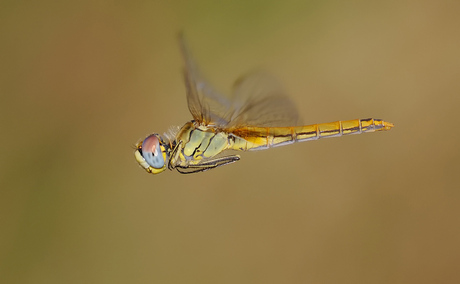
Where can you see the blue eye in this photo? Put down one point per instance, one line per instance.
(151, 152)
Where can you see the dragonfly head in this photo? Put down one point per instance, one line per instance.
(153, 154)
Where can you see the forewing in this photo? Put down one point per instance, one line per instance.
(190, 78)
(205, 104)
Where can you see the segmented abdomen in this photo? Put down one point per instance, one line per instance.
(258, 138)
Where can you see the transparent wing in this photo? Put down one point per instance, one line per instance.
(257, 100)
(205, 105)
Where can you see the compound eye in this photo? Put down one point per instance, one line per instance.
(151, 152)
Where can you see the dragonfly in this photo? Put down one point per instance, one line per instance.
(257, 116)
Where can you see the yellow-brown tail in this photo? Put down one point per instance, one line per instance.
(258, 138)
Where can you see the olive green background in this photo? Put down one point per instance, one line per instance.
(82, 81)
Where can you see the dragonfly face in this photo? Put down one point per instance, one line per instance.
(153, 154)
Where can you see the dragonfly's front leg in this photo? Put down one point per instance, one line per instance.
(174, 156)
(207, 165)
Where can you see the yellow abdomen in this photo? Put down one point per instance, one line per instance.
(259, 138)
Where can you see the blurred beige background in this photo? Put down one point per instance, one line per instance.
(80, 83)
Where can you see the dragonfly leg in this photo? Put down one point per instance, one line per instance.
(207, 165)
(185, 170)
(174, 155)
